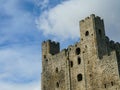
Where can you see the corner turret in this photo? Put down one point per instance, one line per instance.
(50, 47)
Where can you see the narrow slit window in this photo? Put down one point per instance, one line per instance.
(71, 63)
(100, 32)
(79, 60)
(112, 83)
(56, 70)
(105, 85)
(57, 85)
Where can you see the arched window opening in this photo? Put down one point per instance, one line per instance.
(77, 51)
(79, 77)
(86, 33)
(79, 60)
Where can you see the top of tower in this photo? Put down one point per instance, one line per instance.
(51, 42)
(91, 16)
(50, 47)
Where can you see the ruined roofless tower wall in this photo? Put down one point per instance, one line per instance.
(101, 66)
(91, 64)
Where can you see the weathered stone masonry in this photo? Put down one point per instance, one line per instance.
(91, 64)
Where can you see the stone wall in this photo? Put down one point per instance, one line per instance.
(111, 45)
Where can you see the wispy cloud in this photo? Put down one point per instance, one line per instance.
(8, 86)
(62, 21)
(17, 20)
(42, 3)
(20, 57)
(20, 67)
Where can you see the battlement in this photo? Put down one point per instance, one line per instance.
(51, 42)
(92, 16)
(50, 47)
(112, 44)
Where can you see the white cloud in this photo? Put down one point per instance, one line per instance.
(24, 62)
(20, 68)
(20, 57)
(17, 20)
(62, 21)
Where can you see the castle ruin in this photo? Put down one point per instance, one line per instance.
(91, 64)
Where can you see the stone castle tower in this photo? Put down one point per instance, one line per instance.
(91, 64)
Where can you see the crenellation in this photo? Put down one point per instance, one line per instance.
(92, 15)
(98, 18)
(81, 21)
(93, 63)
(87, 18)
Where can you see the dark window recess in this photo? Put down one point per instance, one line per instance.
(46, 60)
(112, 83)
(79, 77)
(44, 88)
(85, 46)
(67, 58)
(100, 32)
(90, 75)
(57, 85)
(71, 63)
(88, 62)
(77, 51)
(56, 70)
(86, 33)
(79, 60)
(44, 56)
(70, 49)
(105, 85)
(81, 39)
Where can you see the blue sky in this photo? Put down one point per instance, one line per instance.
(24, 24)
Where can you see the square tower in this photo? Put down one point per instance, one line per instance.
(100, 67)
(92, 34)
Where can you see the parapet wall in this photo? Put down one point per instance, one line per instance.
(114, 46)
